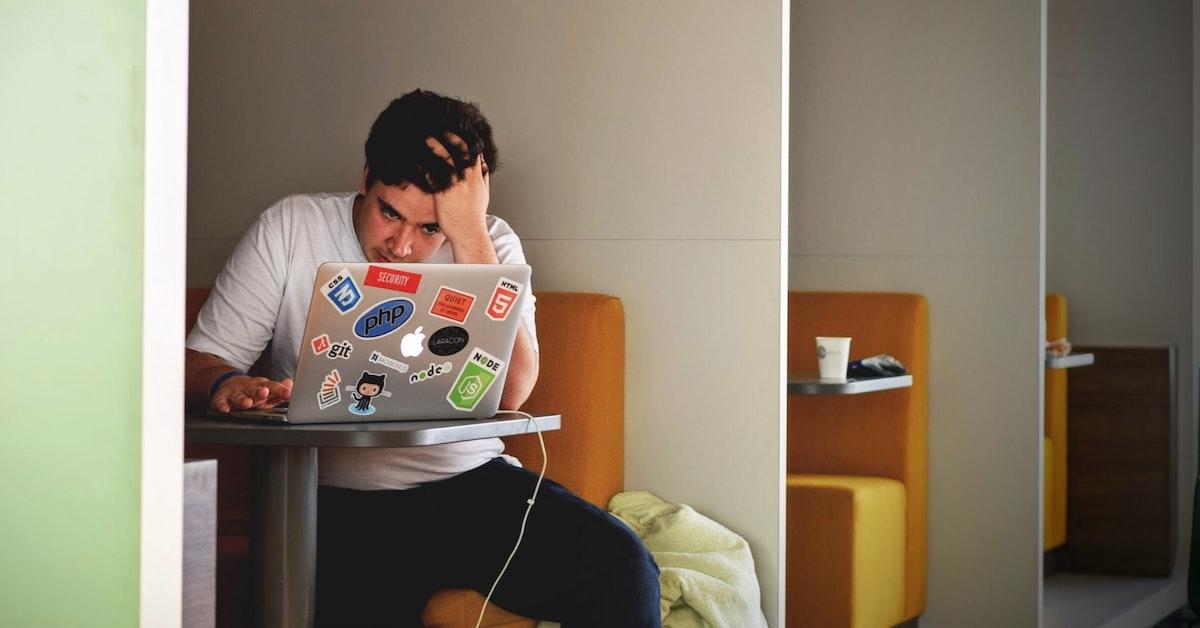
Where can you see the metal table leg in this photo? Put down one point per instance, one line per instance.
(283, 539)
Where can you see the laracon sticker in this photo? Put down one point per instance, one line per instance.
(474, 380)
(383, 318)
(448, 340)
(330, 393)
(451, 304)
(503, 298)
(389, 279)
(321, 344)
(342, 292)
(383, 360)
(369, 386)
(433, 371)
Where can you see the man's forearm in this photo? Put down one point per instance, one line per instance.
(522, 373)
(200, 370)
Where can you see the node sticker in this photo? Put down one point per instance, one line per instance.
(433, 371)
(503, 298)
(389, 279)
(451, 304)
(330, 393)
(383, 360)
(342, 292)
(474, 380)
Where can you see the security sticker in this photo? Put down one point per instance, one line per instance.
(389, 279)
(321, 344)
(342, 292)
(503, 298)
(474, 380)
(451, 304)
(330, 393)
(383, 360)
(448, 340)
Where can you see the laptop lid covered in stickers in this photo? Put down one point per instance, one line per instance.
(395, 342)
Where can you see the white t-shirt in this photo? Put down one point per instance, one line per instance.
(262, 296)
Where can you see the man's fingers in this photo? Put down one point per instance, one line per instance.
(280, 390)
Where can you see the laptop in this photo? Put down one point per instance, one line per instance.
(404, 342)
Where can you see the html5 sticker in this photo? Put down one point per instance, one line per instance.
(452, 305)
(389, 279)
(342, 292)
(503, 299)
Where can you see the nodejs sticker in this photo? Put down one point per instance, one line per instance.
(389, 279)
(321, 344)
(451, 304)
(330, 394)
(383, 360)
(448, 340)
(383, 318)
(474, 380)
(503, 298)
(342, 292)
(433, 371)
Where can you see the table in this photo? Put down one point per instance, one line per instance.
(283, 537)
(1071, 360)
(810, 384)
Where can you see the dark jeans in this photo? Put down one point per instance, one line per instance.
(382, 554)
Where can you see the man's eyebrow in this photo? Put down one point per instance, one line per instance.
(386, 206)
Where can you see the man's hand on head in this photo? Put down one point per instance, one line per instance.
(243, 392)
(462, 209)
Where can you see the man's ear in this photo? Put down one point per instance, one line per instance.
(362, 184)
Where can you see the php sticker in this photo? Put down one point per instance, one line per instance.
(321, 344)
(383, 360)
(383, 318)
(398, 280)
(433, 371)
(342, 292)
(474, 380)
(503, 298)
(452, 305)
(448, 340)
(330, 393)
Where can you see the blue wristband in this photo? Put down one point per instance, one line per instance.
(212, 390)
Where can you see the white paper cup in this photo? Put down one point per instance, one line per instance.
(833, 355)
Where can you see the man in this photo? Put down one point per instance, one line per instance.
(395, 525)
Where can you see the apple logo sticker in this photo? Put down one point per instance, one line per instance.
(410, 346)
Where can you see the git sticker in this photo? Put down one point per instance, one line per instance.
(321, 344)
(342, 292)
(330, 393)
(474, 380)
(503, 298)
(452, 305)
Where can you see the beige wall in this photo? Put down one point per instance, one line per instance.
(640, 144)
(1119, 226)
(915, 166)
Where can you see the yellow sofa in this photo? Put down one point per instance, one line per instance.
(1054, 521)
(856, 464)
(587, 455)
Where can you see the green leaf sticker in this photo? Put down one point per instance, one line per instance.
(474, 380)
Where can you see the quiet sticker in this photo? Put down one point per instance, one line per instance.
(474, 380)
(451, 304)
(389, 279)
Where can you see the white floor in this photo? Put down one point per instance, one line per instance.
(1091, 601)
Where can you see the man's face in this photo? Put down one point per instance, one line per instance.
(396, 223)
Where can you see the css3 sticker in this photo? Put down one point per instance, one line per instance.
(503, 298)
(342, 292)
(383, 318)
(474, 380)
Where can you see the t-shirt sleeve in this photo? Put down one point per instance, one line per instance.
(509, 251)
(238, 320)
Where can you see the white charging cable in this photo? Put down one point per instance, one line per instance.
(530, 501)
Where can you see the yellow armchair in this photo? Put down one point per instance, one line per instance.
(1054, 520)
(856, 485)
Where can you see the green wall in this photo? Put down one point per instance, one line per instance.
(71, 156)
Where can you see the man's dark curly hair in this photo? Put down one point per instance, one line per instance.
(396, 150)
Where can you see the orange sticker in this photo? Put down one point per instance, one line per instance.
(452, 305)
